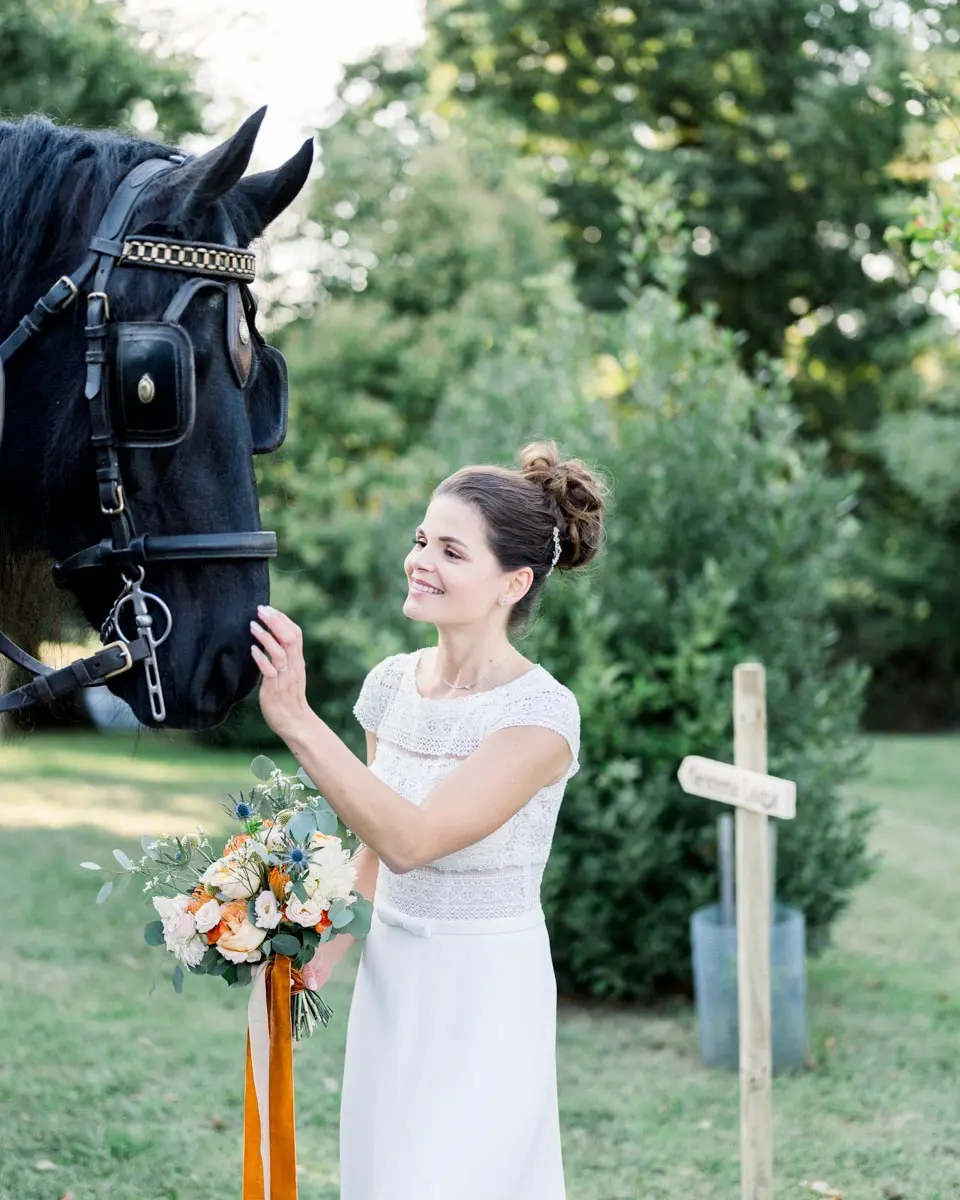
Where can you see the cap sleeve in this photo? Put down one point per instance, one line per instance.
(555, 708)
(378, 689)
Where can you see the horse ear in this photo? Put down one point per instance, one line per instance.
(204, 180)
(270, 192)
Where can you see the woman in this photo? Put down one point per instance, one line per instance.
(449, 1088)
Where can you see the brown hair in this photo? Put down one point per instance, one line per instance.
(521, 507)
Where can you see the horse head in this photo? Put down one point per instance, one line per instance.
(188, 393)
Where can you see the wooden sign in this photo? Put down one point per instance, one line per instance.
(735, 785)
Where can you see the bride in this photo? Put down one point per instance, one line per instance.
(450, 1088)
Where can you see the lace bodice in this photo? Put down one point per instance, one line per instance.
(419, 741)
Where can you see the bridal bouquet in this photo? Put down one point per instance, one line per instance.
(282, 885)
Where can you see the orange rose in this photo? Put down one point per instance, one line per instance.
(199, 898)
(324, 922)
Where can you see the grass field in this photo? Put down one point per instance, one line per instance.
(109, 1091)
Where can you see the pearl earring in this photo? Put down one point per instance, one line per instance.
(503, 601)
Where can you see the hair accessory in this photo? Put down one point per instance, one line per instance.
(556, 549)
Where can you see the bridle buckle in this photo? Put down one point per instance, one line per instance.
(127, 657)
(118, 505)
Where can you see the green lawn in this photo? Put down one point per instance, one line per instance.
(109, 1091)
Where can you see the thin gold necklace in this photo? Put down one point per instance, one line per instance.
(468, 687)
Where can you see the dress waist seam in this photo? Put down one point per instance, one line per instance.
(428, 926)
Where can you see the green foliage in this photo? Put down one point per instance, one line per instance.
(788, 139)
(725, 543)
(79, 61)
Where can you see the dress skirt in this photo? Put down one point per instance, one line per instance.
(450, 1082)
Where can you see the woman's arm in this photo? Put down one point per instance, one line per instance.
(476, 798)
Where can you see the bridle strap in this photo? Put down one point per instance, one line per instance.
(153, 548)
(85, 672)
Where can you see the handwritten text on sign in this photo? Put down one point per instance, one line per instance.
(733, 785)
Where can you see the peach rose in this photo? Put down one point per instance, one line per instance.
(240, 940)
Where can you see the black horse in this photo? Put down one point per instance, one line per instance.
(94, 453)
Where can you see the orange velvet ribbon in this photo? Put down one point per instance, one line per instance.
(282, 1134)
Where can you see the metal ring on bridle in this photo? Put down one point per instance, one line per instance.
(157, 641)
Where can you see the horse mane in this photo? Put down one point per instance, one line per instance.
(37, 227)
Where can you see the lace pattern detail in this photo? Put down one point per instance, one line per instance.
(419, 741)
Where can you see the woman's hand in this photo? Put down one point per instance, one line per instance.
(283, 689)
(315, 974)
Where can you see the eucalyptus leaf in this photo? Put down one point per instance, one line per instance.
(340, 915)
(286, 943)
(311, 937)
(221, 966)
(326, 820)
(263, 767)
(362, 911)
(305, 779)
(91, 866)
(302, 824)
(105, 891)
(305, 955)
(123, 860)
(244, 975)
(252, 910)
(229, 973)
(153, 933)
(178, 979)
(265, 947)
(300, 891)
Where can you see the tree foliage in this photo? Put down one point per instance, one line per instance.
(80, 62)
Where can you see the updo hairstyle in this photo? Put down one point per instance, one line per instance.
(521, 507)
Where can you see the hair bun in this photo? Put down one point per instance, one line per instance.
(577, 493)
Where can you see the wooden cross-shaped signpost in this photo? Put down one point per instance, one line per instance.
(756, 796)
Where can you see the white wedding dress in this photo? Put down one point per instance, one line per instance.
(450, 1083)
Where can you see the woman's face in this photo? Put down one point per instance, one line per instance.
(453, 577)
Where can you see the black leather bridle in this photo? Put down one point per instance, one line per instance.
(221, 265)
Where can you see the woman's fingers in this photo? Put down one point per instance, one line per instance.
(267, 669)
(278, 655)
(286, 632)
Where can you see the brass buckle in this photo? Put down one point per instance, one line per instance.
(114, 512)
(74, 291)
(106, 302)
(128, 658)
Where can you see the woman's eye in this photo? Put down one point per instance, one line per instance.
(420, 541)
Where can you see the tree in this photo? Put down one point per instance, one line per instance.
(80, 63)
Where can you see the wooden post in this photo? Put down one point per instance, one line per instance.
(756, 796)
(753, 942)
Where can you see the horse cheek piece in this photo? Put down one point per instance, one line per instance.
(141, 392)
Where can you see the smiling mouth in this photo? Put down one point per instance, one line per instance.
(423, 589)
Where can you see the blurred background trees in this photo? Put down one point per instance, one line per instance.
(80, 62)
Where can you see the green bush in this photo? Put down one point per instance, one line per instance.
(726, 539)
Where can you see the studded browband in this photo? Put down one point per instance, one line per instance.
(200, 258)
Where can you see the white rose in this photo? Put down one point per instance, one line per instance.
(207, 916)
(308, 914)
(268, 910)
(180, 929)
(237, 875)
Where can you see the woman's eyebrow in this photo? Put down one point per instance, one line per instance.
(445, 539)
